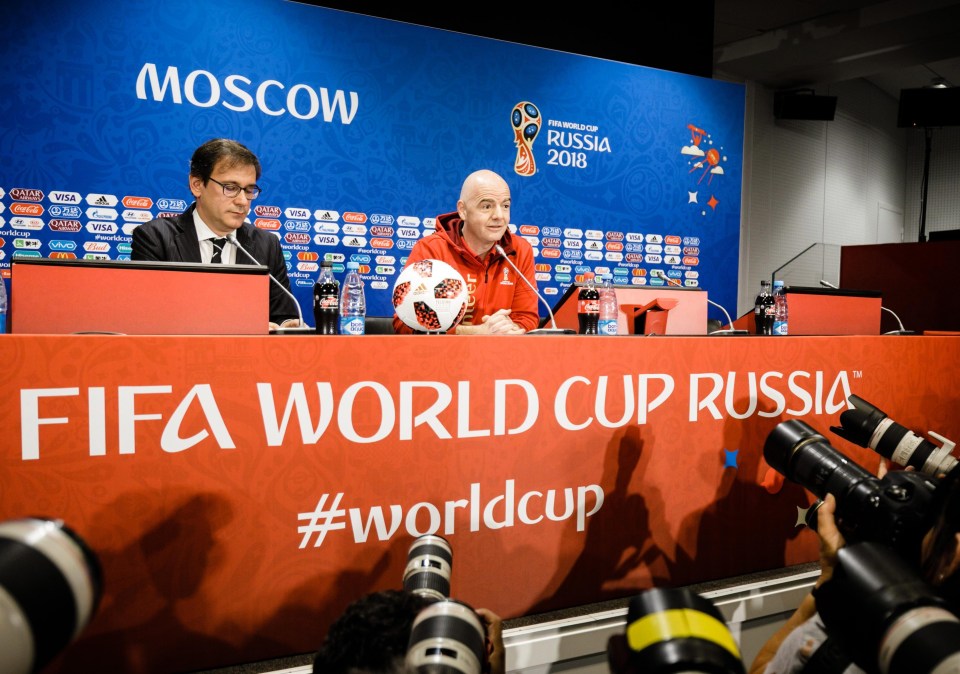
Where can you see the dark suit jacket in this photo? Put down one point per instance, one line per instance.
(175, 240)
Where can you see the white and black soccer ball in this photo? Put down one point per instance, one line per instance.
(430, 296)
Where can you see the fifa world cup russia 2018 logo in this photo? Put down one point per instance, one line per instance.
(526, 125)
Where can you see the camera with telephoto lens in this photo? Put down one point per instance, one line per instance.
(50, 587)
(869, 426)
(884, 617)
(893, 510)
(429, 564)
(447, 637)
(678, 630)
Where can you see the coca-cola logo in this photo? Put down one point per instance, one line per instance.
(672, 240)
(356, 218)
(137, 202)
(529, 230)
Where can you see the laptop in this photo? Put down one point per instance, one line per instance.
(53, 296)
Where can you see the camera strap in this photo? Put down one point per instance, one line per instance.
(829, 658)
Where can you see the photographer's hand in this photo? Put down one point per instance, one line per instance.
(831, 540)
(496, 653)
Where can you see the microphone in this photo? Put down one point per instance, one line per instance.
(724, 331)
(232, 238)
(901, 331)
(538, 331)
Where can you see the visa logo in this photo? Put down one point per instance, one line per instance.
(101, 227)
(64, 197)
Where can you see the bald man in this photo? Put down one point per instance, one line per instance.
(499, 302)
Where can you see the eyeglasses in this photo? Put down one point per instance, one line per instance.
(231, 190)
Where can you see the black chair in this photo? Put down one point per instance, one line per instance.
(378, 325)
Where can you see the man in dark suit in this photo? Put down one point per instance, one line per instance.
(223, 180)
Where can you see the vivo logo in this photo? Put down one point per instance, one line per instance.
(58, 244)
(202, 89)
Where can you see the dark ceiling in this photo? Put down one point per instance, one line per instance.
(782, 44)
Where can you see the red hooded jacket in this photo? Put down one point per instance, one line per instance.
(491, 283)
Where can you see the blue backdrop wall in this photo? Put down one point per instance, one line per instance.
(365, 128)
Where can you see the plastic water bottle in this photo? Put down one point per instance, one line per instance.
(609, 308)
(588, 307)
(3, 307)
(353, 304)
(326, 300)
(763, 309)
(780, 313)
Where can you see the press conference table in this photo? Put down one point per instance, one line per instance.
(240, 491)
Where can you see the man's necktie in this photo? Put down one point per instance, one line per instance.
(218, 245)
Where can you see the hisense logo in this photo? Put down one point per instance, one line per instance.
(202, 89)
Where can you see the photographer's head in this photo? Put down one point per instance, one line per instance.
(371, 635)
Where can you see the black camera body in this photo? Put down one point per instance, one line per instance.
(893, 510)
(883, 615)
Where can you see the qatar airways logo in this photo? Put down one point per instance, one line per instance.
(237, 93)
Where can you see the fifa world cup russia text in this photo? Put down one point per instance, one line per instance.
(501, 510)
(370, 411)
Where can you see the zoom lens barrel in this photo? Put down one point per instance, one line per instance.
(429, 565)
(677, 630)
(50, 587)
(447, 637)
(869, 426)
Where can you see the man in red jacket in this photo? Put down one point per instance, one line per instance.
(499, 302)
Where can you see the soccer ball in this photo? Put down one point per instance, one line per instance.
(430, 296)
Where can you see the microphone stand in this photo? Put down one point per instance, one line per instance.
(724, 331)
(901, 331)
(537, 331)
(303, 327)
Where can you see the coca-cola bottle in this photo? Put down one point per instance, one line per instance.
(588, 307)
(763, 309)
(326, 300)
